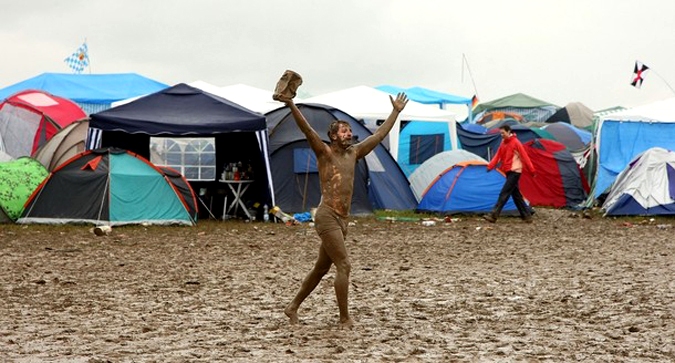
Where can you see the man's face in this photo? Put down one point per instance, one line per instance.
(344, 136)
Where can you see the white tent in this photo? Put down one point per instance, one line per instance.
(253, 98)
(363, 102)
(645, 187)
(256, 99)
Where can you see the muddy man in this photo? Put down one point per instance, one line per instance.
(336, 162)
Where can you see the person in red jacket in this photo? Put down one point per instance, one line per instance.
(514, 160)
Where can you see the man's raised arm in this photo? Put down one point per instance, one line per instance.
(371, 141)
(313, 137)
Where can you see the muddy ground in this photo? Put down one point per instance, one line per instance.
(564, 289)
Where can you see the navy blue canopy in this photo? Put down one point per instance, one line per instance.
(183, 111)
(180, 110)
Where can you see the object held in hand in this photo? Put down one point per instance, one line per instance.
(287, 86)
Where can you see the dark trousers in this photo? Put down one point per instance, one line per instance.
(510, 189)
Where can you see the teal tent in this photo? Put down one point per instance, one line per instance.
(110, 187)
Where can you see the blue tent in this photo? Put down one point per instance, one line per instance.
(92, 92)
(621, 136)
(466, 187)
(379, 182)
(479, 129)
(419, 141)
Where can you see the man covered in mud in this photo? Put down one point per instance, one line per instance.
(336, 163)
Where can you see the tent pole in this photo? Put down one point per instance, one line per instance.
(207, 208)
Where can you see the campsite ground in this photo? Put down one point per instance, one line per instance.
(566, 288)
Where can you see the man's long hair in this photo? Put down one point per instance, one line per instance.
(335, 126)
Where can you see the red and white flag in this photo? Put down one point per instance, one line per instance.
(638, 74)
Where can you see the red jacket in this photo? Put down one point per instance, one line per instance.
(505, 155)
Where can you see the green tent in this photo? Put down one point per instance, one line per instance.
(532, 109)
(18, 179)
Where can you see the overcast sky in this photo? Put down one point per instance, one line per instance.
(557, 51)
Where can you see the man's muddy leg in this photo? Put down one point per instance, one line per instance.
(333, 242)
(321, 267)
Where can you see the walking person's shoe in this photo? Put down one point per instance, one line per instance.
(490, 218)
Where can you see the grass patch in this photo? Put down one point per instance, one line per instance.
(403, 214)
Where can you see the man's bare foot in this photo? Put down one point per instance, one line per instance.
(346, 324)
(292, 314)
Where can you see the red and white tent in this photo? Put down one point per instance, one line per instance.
(29, 118)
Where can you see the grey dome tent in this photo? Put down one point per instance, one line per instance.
(379, 182)
(67, 143)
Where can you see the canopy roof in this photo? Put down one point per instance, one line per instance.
(368, 102)
(179, 110)
(88, 88)
(661, 111)
(519, 100)
(255, 99)
(426, 96)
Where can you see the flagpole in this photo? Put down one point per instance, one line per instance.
(88, 59)
(465, 61)
(663, 79)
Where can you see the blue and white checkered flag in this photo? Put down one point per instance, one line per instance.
(78, 60)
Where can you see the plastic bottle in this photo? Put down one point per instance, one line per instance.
(226, 172)
(281, 215)
(266, 214)
(235, 172)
